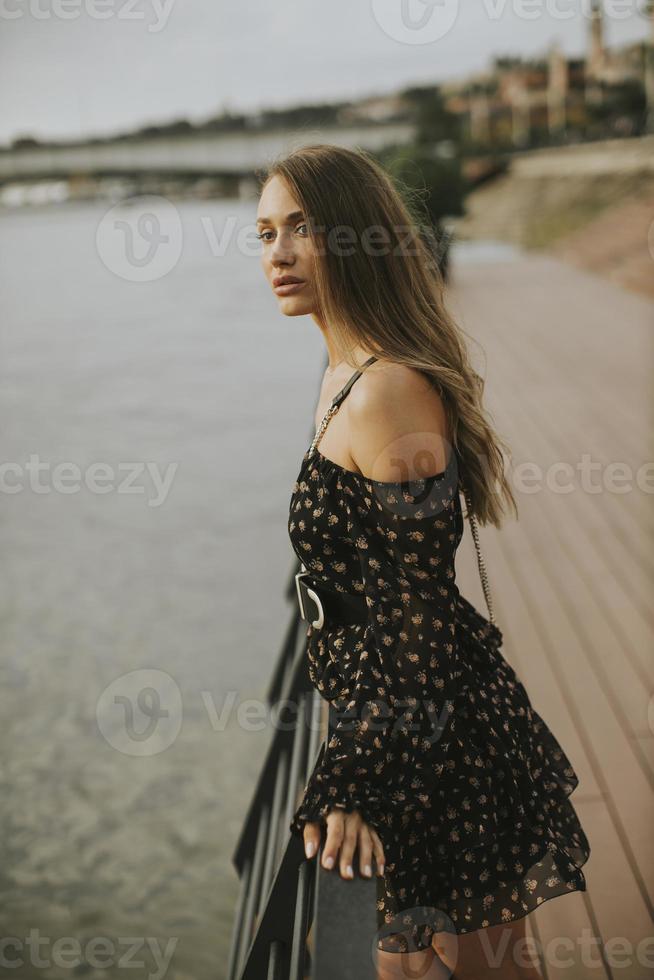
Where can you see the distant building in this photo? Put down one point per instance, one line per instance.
(597, 50)
(611, 67)
(516, 96)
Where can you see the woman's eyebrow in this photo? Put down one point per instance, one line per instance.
(293, 216)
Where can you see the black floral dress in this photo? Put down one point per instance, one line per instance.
(437, 744)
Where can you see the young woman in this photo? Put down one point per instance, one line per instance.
(438, 768)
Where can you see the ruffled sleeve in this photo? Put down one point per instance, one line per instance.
(382, 753)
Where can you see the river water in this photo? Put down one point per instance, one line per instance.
(154, 414)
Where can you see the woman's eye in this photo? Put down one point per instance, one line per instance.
(267, 236)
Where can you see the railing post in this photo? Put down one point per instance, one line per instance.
(296, 758)
(273, 830)
(276, 961)
(237, 933)
(301, 921)
(254, 886)
(345, 927)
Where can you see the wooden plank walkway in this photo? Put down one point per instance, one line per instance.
(568, 360)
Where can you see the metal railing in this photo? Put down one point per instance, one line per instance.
(294, 920)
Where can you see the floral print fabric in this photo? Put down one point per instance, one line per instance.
(436, 744)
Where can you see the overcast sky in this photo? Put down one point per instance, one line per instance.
(74, 68)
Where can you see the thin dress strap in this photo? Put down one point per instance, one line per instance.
(336, 402)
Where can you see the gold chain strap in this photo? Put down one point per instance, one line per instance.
(323, 425)
(481, 564)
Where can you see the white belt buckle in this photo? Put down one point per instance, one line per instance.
(319, 622)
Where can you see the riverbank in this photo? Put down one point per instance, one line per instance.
(591, 205)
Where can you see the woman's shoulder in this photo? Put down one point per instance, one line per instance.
(397, 423)
(402, 377)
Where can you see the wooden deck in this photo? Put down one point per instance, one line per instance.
(568, 366)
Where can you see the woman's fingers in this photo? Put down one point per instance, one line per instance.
(352, 823)
(346, 834)
(311, 839)
(365, 851)
(335, 833)
(378, 851)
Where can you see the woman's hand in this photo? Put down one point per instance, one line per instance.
(345, 832)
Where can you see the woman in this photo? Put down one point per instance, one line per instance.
(438, 767)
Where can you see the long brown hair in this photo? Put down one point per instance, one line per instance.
(388, 297)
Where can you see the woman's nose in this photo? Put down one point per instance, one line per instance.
(282, 251)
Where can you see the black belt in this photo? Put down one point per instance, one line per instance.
(319, 605)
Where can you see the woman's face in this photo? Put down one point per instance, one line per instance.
(287, 252)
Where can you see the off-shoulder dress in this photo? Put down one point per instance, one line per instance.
(437, 744)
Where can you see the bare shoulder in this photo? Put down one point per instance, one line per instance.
(384, 378)
(397, 423)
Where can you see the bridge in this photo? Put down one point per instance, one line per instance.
(225, 154)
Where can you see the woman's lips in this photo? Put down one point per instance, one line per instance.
(287, 288)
